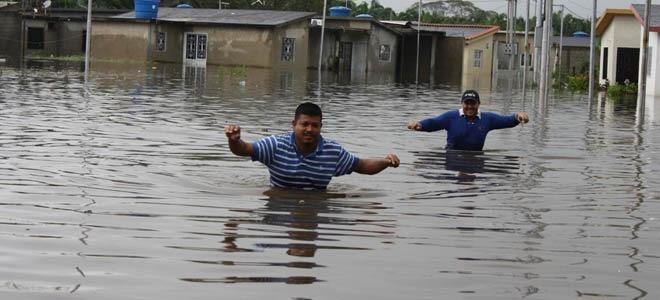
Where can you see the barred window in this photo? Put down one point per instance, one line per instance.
(385, 53)
(288, 49)
(161, 41)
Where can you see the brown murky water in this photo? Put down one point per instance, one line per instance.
(130, 192)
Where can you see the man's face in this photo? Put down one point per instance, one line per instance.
(307, 129)
(471, 108)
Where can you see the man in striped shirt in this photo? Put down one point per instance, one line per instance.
(303, 159)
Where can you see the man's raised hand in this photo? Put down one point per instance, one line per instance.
(233, 132)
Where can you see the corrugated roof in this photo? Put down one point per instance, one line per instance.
(606, 19)
(572, 41)
(639, 10)
(467, 31)
(398, 23)
(355, 19)
(225, 16)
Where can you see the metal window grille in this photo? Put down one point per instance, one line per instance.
(161, 41)
(385, 53)
(288, 49)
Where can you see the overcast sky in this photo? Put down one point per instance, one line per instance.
(579, 7)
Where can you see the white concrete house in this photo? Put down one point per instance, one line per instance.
(620, 37)
(653, 66)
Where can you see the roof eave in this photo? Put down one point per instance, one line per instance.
(641, 20)
(606, 19)
(483, 34)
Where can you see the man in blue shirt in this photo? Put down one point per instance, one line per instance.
(467, 127)
(303, 159)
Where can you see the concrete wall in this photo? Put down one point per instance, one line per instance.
(366, 38)
(501, 60)
(49, 38)
(70, 38)
(574, 60)
(381, 36)
(174, 45)
(238, 46)
(298, 31)
(478, 77)
(331, 44)
(653, 76)
(120, 41)
(227, 45)
(449, 60)
(10, 36)
(255, 46)
(329, 49)
(623, 32)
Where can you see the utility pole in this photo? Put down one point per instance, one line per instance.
(592, 53)
(526, 48)
(561, 43)
(547, 29)
(419, 23)
(538, 36)
(510, 31)
(325, 5)
(641, 88)
(88, 40)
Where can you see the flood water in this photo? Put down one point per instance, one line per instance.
(129, 191)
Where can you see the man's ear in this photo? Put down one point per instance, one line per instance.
(293, 123)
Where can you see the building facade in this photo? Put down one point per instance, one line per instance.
(199, 37)
(619, 34)
(53, 32)
(653, 50)
(355, 46)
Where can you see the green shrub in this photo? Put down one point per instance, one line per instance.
(578, 83)
(619, 90)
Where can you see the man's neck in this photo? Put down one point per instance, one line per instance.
(306, 149)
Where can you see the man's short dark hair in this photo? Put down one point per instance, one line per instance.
(308, 108)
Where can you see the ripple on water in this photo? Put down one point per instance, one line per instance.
(130, 191)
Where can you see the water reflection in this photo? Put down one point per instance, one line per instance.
(301, 223)
(464, 166)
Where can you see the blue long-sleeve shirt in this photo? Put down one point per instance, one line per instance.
(465, 135)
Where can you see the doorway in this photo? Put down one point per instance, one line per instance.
(345, 56)
(627, 64)
(195, 49)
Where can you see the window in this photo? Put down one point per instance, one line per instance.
(201, 46)
(477, 58)
(195, 46)
(526, 58)
(35, 38)
(161, 38)
(288, 48)
(385, 53)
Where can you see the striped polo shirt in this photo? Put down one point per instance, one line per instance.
(290, 169)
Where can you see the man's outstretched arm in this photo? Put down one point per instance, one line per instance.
(372, 166)
(236, 145)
